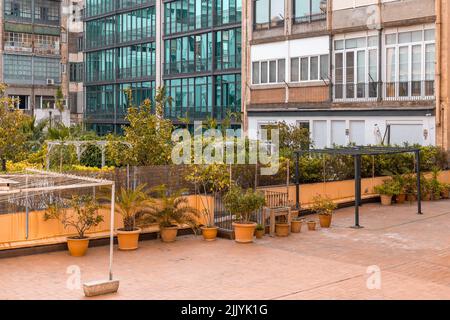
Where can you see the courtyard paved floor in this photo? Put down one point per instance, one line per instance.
(411, 252)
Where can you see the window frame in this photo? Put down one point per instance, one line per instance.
(319, 57)
(277, 74)
(344, 50)
(269, 24)
(423, 43)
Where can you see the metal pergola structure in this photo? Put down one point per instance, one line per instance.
(357, 153)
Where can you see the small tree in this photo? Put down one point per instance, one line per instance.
(85, 214)
(59, 100)
(148, 135)
(13, 135)
(209, 179)
(243, 203)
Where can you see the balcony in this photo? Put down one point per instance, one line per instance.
(390, 91)
(180, 67)
(187, 24)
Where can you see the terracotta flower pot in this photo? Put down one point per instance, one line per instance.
(445, 194)
(400, 198)
(209, 233)
(426, 197)
(128, 240)
(325, 220)
(259, 234)
(77, 247)
(411, 197)
(282, 229)
(243, 232)
(311, 225)
(296, 226)
(169, 234)
(386, 200)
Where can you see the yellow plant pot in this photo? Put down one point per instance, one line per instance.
(128, 240)
(296, 226)
(282, 229)
(311, 225)
(325, 220)
(243, 232)
(77, 247)
(386, 200)
(259, 234)
(400, 198)
(209, 233)
(169, 234)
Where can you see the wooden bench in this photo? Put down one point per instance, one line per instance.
(272, 213)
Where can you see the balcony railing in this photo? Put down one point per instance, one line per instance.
(409, 90)
(198, 65)
(143, 71)
(186, 24)
(311, 18)
(390, 91)
(269, 24)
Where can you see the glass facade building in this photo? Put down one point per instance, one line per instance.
(199, 53)
(120, 53)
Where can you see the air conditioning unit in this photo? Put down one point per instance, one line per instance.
(50, 81)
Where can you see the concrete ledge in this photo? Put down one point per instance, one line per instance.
(93, 242)
(98, 288)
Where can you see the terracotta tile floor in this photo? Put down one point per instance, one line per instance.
(412, 253)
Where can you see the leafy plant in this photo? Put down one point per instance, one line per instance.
(84, 215)
(323, 205)
(259, 227)
(435, 185)
(209, 179)
(170, 208)
(13, 123)
(243, 203)
(388, 187)
(132, 205)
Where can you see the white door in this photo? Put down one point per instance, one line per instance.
(406, 133)
(338, 136)
(357, 132)
(319, 134)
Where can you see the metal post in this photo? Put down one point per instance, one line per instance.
(357, 190)
(419, 191)
(111, 231)
(297, 182)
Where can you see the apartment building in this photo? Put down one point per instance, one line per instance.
(75, 67)
(34, 55)
(351, 71)
(193, 47)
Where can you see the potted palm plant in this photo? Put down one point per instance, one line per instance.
(82, 216)
(170, 211)
(410, 187)
(324, 207)
(131, 205)
(399, 185)
(208, 180)
(241, 204)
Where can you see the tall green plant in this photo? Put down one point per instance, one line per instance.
(242, 203)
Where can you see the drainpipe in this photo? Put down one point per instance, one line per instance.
(380, 56)
(438, 71)
(330, 47)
